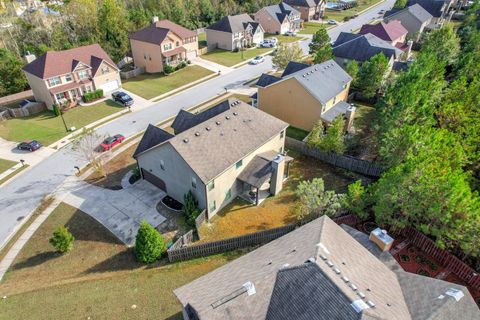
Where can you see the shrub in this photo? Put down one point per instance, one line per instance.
(190, 208)
(62, 240)
(181, 65)
(56, 110)
(355, 199)
(314, 199)
(235, 50)
(149, 243)
(188, 61)
(92, 96)
(167, 69)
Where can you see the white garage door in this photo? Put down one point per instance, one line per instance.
(110, 86)
(191, 54)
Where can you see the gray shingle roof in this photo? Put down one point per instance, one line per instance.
(338, 109)
(293, 67)
(281, 11)
(301, 3)
(266, 79)
(361, 47)
(416, 10)
(152, 137)
(257, 172)
(234, 24)
(299, 289)
(186, 120)
(434, 7)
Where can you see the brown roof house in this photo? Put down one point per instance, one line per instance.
(162, 42)
(309, 9)
(234, 32)
(305, 94)
(322, 271)
(279, 18)
(229, 150)
(58, 77)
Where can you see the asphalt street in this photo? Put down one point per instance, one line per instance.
(22, 195)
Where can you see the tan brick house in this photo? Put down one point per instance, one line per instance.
(162, 42)
(309, 9)
(61, 77)
(279, 18)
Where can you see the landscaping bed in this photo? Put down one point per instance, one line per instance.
(230, 58)
(150, 86)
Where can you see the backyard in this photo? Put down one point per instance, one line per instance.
(296, 133)
(47, 128)
(240, 217)
(149, 86)
(98, 279)
(362, 143)
(340, 15)
(230, 58)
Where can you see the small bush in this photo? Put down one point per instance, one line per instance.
(190, 208)
(149, 243)
(62, 240)
(181, 65)
(189, 62)
(235, 50)
(167, 69)
(56, 110)
(92, 96)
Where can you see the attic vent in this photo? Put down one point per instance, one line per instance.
(361, 294)
(217, 122)
(286, 265)
(345, 279)
(227, 117)
(359, 305)
(371, 304)
(336, 270)
(329, 263)
(185, 140)
(250, 288)
(316, 69)
(197, 134)
(323, 257)
(310, 260)
(354, 287)
(455, 293)
(208, 128)
(235, 113)
(304, 75)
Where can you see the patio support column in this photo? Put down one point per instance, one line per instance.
(256, 200)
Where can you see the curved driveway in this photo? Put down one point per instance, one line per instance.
(22, 195)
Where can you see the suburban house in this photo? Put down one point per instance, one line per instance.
(305, 94)
(163, 42)
(414, 18)
(322, 271)
(361, 47)
(439, 9)
(229, 150)
(61, 77)
(234, 32)
(392, 32)
(279, 18)
(309, 9)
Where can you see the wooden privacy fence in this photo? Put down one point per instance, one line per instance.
(338, 160)
(187, 238)
(132, 73)
(202, 217)
(445, 258)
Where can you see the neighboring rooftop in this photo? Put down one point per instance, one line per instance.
(266, 80)
(322, 271)
(55, 63)
(158, 31)
(281, 11)
(301, 3)
(152, 137)
(434, 7)
(416, 11)
(293, 67)
(362, 47)
(233, 24)
(390, 31)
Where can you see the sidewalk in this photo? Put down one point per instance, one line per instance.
(210, 65)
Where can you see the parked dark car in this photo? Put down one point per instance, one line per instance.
(122, 98)
(111, 142)
(30, 145)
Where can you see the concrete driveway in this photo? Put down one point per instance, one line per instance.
(120, 211)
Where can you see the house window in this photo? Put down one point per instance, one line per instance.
(282, 134)
(88, 89)
(213, 206)
(228, 194)
(162, 165)
(60, 96)
(194, 182)
(239, 164)
(68, 78)
(54, 81)
(145, 56)
(105, 70)
(211, 185)
(167, 46)
(83, 74)
(178, 43)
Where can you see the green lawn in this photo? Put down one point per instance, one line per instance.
(296, 133)
(98, 279)
(5, 165)
(340, 15)
(229, 58)
(283, 39)
(312, 27)
(149, 86)
(47, 128)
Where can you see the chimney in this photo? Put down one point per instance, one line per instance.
(154, 19)
(29, 57)
(350, 115)
(278, 166)
(381, 239)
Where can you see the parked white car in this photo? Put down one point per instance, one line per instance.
(257, 60)
(267, 43)
(290, 33)
(333, 22)
(272, 40)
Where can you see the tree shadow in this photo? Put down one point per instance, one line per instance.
(122, 261)
(85, 228)
(36, 260)
(176, 316)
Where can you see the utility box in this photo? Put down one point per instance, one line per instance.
(381, 239)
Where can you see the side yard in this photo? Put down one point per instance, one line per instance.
(230, 58)
(47, 128)
(149, 86)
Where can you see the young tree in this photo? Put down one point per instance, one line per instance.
(149, 243)
(371, 75)
(286, 53)
(315, 200)
(62, 240)
(355, 199)
(323, 54)
(86, 147)
(113, 29)
(400, 4)
(444, 43)
(316, 135)
(320, 40)
(334, 138)
(352, 69)
(190, 208)
(12, 78)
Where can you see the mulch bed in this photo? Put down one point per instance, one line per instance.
(172, 203)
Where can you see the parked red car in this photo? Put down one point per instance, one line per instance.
(111, 142)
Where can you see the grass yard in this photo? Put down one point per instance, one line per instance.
(362, 144)
(98, 279)
(47, 128)
(202, 40)
(149, 86)
(312, 27)
(5, 165)
(296, 133)
(230, 58)
(14, 173)
(340, 15)
(284, 39)
(240, 217)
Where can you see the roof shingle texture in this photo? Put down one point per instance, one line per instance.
(301, 3)
(434, 7)
(152, 137)
(55, 63)
(416, 10)
(281, 11)
(233, 24)
(361, 47)
(158, 31)
(390, 31)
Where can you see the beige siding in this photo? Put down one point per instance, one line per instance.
(113, 74)
(40, 90)
(147, 55)
(219, 39)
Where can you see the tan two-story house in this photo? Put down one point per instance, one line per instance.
(279, 18)
(305, 94)
(163, 42)
(234, 32)
(309, 9)
(229, 150)
(62, 77)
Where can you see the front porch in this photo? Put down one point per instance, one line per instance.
(70, 93)
(175, 56)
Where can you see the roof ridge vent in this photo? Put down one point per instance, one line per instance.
(371, 304)
(353, 287)
(345, 279)
(336, 270)
(217, 122)
(329, 263)
(185, 140)
(361, 294)
(235, 113)
(197, 134)
(208, 128)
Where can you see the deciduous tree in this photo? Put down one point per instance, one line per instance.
(285, 53)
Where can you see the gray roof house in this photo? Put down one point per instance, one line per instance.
(279, 18)
(229, 150)
(309, 9)
(322, 271)
(414, 18)
(234, 32)
(305, 94)
(439, 9)
(361, 47)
